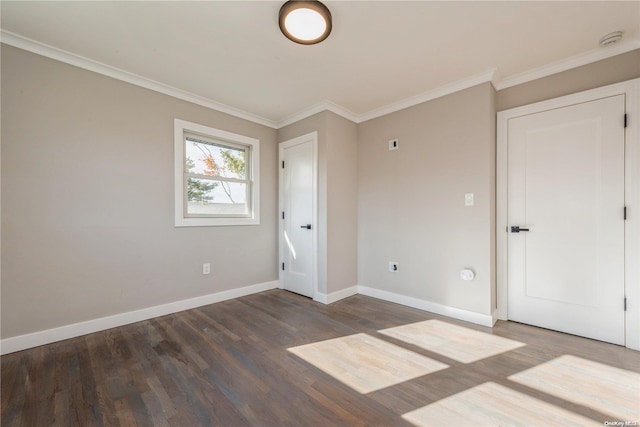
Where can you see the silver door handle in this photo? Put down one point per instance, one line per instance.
(308, 226)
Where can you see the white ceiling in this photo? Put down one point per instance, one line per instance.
(379, 53)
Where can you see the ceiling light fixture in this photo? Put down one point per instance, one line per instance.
(305, 22)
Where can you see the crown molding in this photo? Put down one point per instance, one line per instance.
(429, 95)
(341, 111)
(397, 106)
(567, 64)
(42, 49)
(489, 76)
(492, 76)
(318, 108)
(301, 115)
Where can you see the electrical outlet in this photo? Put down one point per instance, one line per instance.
(206, 268)
(468, 199)
(394, 144)
(393, 267)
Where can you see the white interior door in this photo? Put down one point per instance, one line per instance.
(298, 219)
(566, 190)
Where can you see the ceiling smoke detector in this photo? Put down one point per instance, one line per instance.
(611, 38)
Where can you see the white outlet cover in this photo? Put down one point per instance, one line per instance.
(206, 268)
(394, 144)
(468, 199)
(393, 264)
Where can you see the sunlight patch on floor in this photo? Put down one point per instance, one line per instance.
(492, 404)
(366, 363)
(604, 388)
(455, 342)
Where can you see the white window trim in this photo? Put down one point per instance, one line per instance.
(182, 126)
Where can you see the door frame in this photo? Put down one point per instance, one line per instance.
(313, 138)
(631, 90)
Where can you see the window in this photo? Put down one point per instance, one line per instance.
(216, 177)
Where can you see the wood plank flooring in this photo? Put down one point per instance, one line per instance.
(235, 364)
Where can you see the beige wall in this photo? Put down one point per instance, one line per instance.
(492, 188)
(608, 71)
(87, 195)
(337, 194)
(411, 201)
(342, 203)
(87, 200)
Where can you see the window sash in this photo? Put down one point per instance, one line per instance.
(202, 139)
(185, 204)
(216, 178)
(243, 189)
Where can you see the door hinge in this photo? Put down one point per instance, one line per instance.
(283, 266)
(625, 303)
(625, 120)
(283, 164)
(625, 213)
(282, 214)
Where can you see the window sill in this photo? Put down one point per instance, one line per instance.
(215, 222)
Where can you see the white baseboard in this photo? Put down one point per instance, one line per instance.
(495, 316)
(335, 296)
(456, 313)
(21, 342)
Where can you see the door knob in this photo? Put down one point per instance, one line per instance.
(308, 226)
(517, 229)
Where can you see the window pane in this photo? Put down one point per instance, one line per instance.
(212, 197)
(210, 159)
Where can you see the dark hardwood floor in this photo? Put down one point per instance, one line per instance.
(228, 364)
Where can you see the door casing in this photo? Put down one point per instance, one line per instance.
(631, 90)
(313, 139)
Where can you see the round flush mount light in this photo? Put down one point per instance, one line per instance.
(305, 22)
(611, 38)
